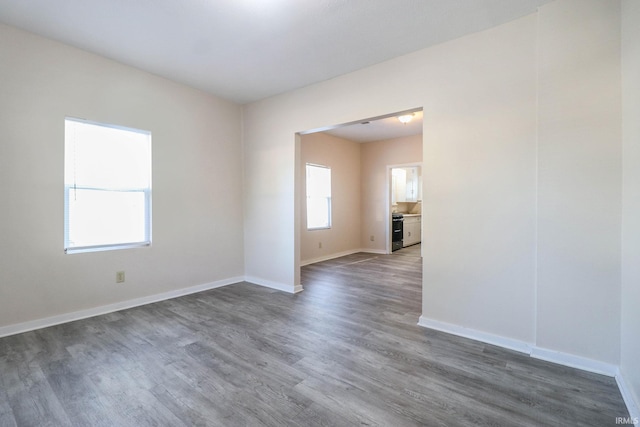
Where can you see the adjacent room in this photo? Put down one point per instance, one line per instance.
(360, 160)
(192, 236)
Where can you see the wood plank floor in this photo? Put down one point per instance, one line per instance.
(346, 351)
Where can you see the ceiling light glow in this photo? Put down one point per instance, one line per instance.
(405, 118)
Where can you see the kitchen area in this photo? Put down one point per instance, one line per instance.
(406, 206)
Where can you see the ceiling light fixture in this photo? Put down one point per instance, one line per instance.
(405, 118)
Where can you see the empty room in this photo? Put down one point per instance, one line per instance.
(199, 201)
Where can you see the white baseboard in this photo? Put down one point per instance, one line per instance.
(473, 334)
(274, 285)
(520, 346)
(340, 254)
(533, 351)
(633, 406)
(31, 325)
(573, 361)
(374, 251)
(330, 256)
(45, 322)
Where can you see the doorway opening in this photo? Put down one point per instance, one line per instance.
(360, 155)
(405, 209)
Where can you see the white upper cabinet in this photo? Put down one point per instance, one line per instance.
(406, 184)
(398, 185)
(414, 184)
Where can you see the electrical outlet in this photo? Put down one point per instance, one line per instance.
(120, 277)
(372, 238)
(319, 245)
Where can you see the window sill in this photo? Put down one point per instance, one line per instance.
(101, 248)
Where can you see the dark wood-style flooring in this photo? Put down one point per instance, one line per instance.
(346, 351)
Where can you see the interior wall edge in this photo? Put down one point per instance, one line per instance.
(629, 313)
(627, 395)
(292, 289)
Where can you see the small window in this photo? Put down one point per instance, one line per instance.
(107, 187)
(318, 197)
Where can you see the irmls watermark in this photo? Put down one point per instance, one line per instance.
(627, 421)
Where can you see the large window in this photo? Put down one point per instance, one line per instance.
(107, 187)
(318, 197)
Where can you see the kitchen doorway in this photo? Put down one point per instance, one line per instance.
(381, 141)
(405, 209)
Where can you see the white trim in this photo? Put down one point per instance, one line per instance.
(533, 351)
(375, 251)
(274, 285)
(341, 254)
(58, 319)
(328, 257)
(627, 395)
(473, 334)
(110, 308)
(517, 345)
(574, 361)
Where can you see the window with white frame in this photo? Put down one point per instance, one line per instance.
(107, 187)
(318, 197)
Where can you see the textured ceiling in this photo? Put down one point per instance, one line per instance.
(246, 50)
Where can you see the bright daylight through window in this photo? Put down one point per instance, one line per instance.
(107, 187)
(318, 197)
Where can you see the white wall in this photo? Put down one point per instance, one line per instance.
(197, 190)
(376, 157)
(579, 179)
(521, 178)
(479, 183)
(343, 157)
(522, 160)
(478, 95)
(631, 198)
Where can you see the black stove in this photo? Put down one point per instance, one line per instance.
(396, 231)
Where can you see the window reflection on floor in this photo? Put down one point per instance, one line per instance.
(415, 250)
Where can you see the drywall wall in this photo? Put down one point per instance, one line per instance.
(376, 157)
(479, 98)
(197, 190)
(343, 157)
(524, 238)
(579, 179)
(630, 338)
(479, 169)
